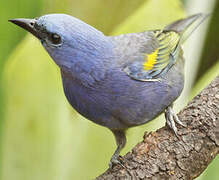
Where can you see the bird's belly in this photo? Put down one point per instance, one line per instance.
(145, 105)
(94, 105)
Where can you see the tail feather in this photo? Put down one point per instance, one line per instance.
(187, 26)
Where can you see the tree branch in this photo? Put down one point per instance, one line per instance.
(162, 155)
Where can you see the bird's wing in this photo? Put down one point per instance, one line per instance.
(150, 54)
(154, 57)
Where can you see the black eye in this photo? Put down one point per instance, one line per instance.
(55, 39)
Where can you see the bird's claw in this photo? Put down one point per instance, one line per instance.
(172, 119)
(115, 161)
(118, 160)
(178, 120)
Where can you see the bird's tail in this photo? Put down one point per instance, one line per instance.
(185, 27)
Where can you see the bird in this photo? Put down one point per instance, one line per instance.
(119, 81)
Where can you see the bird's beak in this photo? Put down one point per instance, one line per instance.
(27, 24)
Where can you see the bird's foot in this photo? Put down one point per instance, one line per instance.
(172, 119)
(116, 160)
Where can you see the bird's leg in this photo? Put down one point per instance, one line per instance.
(120, 141)
(172, 119)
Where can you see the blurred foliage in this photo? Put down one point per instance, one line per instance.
(104, 15)
(210, 51)
(9, 38)
(9, 35)
(206, 79)
(43, 137)
(212, 171)
(151, 16)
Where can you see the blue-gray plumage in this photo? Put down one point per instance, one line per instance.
(116, 81)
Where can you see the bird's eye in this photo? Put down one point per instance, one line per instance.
(55, 39)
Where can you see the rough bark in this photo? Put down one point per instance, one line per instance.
(162, 155)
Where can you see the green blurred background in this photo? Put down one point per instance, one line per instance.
(41, 136)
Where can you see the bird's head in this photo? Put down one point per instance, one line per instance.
(68, 40)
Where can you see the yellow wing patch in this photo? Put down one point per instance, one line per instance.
(164, 52)
(151, 60)
(160, 58)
